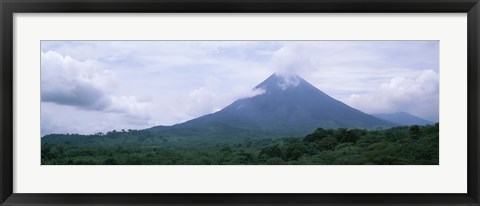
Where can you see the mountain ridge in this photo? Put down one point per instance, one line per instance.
(402, 118)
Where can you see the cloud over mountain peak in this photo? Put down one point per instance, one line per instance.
(280, 81)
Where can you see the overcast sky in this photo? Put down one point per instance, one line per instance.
(99, 86)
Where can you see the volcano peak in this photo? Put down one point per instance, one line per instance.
(281, 81)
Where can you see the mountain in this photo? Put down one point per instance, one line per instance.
(288, 106)
(402, 118)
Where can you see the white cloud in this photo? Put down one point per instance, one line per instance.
(201, 101)
(289, 81)
(70, 82)
(84, 85)
(130, 105)
(418, 96)
(293, 59)
(205, 100)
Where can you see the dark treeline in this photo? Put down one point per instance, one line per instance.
(408, 145)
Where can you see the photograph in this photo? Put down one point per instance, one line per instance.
(264, 102)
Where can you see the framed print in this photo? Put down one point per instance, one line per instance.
(252, 103)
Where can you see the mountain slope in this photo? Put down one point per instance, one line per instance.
(289, 106)
(402, 118)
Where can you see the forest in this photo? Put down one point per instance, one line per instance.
(404, 145)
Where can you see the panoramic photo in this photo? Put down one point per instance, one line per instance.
(239, 102)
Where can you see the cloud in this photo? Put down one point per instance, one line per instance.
(84, 85)
(67, 81)
(130, 105)
(418, 96)
(205, 100)
(249, 93)
(307, 57)
(292, 59)
(201, 101)
(288, 81)
(80, 95)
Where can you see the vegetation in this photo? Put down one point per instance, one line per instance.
(407, 145)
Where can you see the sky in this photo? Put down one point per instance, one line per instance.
(99, 86)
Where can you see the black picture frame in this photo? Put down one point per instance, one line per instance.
(10, 7)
